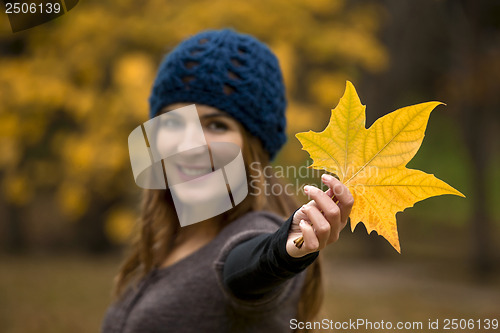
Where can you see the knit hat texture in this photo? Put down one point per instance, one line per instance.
(232, 72)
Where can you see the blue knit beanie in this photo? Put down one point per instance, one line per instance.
(232, 72)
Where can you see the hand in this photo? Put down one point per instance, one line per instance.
(321, 220)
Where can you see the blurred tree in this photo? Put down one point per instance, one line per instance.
(72, 90)
(450, 51)
(473, 84)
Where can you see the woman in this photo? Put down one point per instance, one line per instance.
(239, 271)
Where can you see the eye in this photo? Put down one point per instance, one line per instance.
(217, 126)
(172, 123)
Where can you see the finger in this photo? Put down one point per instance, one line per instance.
(341, 192)
(329, 192)
(338, 189)
(320, 225)
(325, 203)
(311, 243)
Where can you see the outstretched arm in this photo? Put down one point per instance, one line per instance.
(321, 220)
(263, 263)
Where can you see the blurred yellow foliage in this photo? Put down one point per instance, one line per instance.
(73, 200)
(10, 153)
(326, 87)
(9, 125)
(285, 54)
(74, 88)
(133, 71)
(17, 189)
(119, 224)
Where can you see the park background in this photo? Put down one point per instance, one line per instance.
(71, 91)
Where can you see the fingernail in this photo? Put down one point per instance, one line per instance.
(307, 188)
(302, 223)
(326, 177)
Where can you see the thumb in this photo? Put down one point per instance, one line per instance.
(310, 245)
(311, 242)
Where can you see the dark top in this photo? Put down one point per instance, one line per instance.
(242, 281)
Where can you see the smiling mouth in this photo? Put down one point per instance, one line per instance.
(189, 173)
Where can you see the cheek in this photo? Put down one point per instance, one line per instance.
(166, 142)
(232, 137)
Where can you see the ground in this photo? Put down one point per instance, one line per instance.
(70, 292)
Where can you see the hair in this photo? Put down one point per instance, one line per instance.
(158, 224)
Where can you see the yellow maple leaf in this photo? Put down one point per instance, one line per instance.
(372, 162)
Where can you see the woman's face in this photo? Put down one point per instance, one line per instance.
(186, 145)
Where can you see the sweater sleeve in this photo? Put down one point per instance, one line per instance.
(261, 264)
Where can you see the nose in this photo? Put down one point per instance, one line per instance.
(193, 137)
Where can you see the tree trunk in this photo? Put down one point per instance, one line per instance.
(15, 242)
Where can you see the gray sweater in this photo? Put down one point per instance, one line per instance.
(191, 296)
